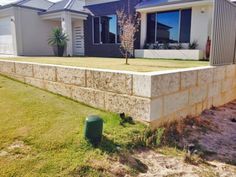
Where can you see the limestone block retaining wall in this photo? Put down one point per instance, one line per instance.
(145, 96)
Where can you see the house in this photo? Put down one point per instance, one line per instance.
(189, 21)
(91, 25)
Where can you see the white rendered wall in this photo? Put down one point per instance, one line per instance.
(33, 32)
(201, 25)
(143, 30)
(66, 25)
(12, 13)
(6, 36)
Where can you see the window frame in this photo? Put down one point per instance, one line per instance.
(179, 21)
(99, 19)
(179, 26)
(100, 30)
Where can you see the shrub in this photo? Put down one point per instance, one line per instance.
(58, 40)
(149, 138)
(193, 45)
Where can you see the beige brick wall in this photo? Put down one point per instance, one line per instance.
(200, 89)
(149, 97)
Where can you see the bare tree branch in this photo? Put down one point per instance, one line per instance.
(128, 27)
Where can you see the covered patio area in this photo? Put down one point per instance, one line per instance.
(72, 23)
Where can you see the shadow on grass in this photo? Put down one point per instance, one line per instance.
(108, 146)
(124, 155)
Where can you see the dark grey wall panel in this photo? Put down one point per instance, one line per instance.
(106, 50)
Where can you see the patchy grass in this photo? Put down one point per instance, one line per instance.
(41, 134)
(140, 65)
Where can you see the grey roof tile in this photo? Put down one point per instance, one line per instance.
(61, 5)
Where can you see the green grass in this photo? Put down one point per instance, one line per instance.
(50, 127)
(141, 65)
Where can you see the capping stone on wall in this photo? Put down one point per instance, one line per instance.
(145, 96)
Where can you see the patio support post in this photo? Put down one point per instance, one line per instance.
(16, 31)
(143, 29)
(13, 29)
(66, 25)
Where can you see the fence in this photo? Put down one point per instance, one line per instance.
(223, 49)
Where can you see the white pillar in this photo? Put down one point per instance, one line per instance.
(66, 24)
(16, 31)
(14, 39)
(143, 29)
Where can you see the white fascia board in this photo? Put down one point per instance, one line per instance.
(175, 6)
(7, 12)
(79, 16)
(51, 16)
(58, 15)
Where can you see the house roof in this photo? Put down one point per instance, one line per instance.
(22, 3)
(61, 5)
(153, 3)
(65, 5)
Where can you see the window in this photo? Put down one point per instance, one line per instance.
(151, 24)
(105, 29)
(169, 27)
(96, 31)
(185, 25)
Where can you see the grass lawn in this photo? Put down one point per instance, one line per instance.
(141, 65)
(41, 134)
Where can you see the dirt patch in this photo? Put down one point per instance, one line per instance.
(212, 137)
(17, 149)
(219, 142)
(168, 166)
(16, 145)
(3, 153)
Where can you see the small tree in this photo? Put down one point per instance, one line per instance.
(128, 27)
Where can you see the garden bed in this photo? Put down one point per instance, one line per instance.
(166, 54)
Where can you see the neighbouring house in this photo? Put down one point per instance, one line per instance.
(91, 26)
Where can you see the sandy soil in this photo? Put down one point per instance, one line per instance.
(168, 166)
(220, 141)
(216, 139)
